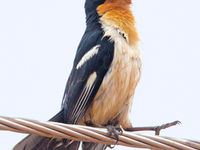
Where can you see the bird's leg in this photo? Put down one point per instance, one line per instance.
(157, 129)
(114, 131)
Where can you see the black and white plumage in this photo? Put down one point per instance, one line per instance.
(80, 90)
(105, 72)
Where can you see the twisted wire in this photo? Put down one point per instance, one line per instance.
(97, 135)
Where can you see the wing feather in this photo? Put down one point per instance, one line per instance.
(80, 112)
(85, 80)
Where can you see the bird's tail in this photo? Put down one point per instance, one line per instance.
(36, 142)
(93, 146)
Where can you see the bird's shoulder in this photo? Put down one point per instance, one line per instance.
(93, 43)
(90, 39)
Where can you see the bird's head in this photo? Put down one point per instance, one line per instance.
(91, 5)
(96, 8)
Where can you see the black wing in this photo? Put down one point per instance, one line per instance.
(92, 61)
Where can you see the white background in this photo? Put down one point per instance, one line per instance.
(38, 41)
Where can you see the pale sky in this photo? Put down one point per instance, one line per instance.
(38, 41)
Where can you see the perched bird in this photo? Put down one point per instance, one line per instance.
(105, 73)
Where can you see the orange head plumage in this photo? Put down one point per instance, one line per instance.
(117, 13)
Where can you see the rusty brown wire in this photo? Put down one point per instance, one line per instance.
(98, 135)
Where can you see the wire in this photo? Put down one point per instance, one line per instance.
(97, 135)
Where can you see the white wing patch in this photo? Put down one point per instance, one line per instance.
(88, 55)
(82, 101)
(91, 79)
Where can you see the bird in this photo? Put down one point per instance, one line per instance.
(106, 70)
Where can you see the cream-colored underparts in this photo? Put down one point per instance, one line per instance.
(114, 32)
(113, 99)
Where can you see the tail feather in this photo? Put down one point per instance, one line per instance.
(93, 146)
(73, 146)
(36, 142)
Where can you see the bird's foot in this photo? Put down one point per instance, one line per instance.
(165, 126)
(114, 131)
(157, 129)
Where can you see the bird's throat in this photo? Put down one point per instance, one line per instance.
(121, 17)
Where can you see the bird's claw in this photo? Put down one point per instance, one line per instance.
(157, 129)
(114, 131)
